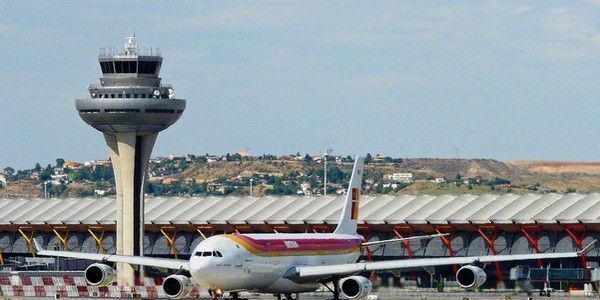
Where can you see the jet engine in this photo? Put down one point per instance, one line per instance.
(355, 287)
(99, 274)
(470, 277)
(177, 286)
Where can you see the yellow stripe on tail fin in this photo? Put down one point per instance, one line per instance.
(348, 219)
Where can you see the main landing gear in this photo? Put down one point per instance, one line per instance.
(336, 288)
(287, 297)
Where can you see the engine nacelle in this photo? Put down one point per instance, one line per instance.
(470, 277)
(177, 286)
(99, 274)
(355, 287)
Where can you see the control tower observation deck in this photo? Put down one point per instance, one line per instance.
(130, 107)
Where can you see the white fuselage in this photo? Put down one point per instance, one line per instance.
(258, 262)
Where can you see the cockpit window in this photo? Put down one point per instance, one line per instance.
(208, 253)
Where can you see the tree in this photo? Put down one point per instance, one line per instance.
(308, 157)
(38, 167)
(368, 158)
(9, 171)
(60, 162)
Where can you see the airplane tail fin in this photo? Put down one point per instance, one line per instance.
(348, 219)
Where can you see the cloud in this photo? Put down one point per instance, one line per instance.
(564, 33)
(385, 81)
(246, 17)
(522, 9)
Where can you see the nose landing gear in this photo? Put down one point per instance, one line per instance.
(219, 295)
(288, 296)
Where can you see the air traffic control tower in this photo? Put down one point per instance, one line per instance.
(130, 107)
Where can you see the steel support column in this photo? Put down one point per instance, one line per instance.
(579, 242)
(406, 243)
(171, 240)
(448, 242)
(533, 240)
(98, 238)
(490, 241)
(63, 239)
(29, 240)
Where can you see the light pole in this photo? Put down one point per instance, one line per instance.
(329, 151)
(251, 179)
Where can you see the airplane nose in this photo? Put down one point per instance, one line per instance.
(203, 269)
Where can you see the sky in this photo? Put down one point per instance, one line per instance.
(508, 80)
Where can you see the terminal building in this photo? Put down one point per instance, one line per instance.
(476, 225)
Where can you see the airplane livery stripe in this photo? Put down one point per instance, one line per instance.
(296, 247)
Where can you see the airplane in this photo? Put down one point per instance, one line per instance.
(288, 264)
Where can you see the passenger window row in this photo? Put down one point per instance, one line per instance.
(209, 253)
(128, 96)
(132, 110)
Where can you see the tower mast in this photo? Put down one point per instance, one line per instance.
(130, 107)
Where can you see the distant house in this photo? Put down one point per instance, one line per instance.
(213, 158)
(59, 177)
(399, 177)
(244, 154)
(3, 180)
(378, 158)
(245, 175)
(169, 181)
(439, 180)
(103, 162)
(306, 190)
(216, 187)
(35, 176)
(73, 165)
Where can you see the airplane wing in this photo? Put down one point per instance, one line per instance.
(412, 238)
(165, 263)
(312, 272)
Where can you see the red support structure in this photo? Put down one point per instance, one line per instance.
(533, 240)
(448, 242)
(369, 253)
(579, 241)
(406, 243)
(490, 241)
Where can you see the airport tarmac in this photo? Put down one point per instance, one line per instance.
(390, 296)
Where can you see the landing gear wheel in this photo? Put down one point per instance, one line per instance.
(290, 297)
(215, 294)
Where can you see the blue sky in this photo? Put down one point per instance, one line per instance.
(500, 79)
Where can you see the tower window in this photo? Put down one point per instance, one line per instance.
(120, 95)
(112, 95)
(103, 67)
(147, 67)
(118, 67)
(127, 95)
(135, 95)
